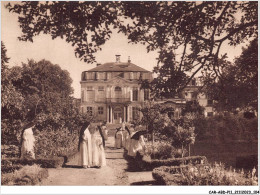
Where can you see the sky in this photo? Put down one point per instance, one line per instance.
(60, 52)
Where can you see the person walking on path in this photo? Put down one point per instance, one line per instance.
(85, 146)
(98, 143)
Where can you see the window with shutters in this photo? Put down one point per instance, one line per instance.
(146, 94)
(90, 110)
(135, 94)
(135, 76)
(100, 110)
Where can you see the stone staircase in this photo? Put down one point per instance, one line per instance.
(112, 129)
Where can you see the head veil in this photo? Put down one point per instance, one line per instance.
(101, 133)
(83, 128)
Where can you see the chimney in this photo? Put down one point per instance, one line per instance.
(129, 61)
(98, 64)
(118, 58)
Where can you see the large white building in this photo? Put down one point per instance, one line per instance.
(112, 92)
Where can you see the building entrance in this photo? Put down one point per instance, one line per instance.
(118, 115)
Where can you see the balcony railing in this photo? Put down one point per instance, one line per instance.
(113, 100)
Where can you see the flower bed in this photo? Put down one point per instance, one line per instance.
(202, 175)
(27, 175)
(149, 164)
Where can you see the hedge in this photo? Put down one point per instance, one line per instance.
(44, 163)
(147, 163)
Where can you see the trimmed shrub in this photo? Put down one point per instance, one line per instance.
(44, 163)
(202, 175)
(28, 175)
(149, 164)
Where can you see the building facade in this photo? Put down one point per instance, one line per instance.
(112, 92)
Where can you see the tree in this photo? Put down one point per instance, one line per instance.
(11, 100)
(46, 88)
(238, 86)
(180, 132)
(188, 35)
(86, 25)
(153, 118)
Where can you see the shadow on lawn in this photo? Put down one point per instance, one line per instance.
(133, 163)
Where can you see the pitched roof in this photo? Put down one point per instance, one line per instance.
(118, 66)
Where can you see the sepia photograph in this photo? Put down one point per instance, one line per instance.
(130, 93)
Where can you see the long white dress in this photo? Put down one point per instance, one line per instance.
(105, 132)
(119, 139)
(27, 148)
(98, 153)
(85, 151)
(127, 140)
(136, 145)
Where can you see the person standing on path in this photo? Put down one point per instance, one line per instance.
(119, 138)
(127, 137)
(98, 143)
(85, 146)
(27, 142)
(137, 143)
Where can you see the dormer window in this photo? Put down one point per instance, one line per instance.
(117, 88)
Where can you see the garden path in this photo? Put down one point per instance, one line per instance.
(115, 173)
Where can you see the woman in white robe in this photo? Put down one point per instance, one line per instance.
(85, 147)
(132, 132)
(119, 138)
(127, 137)
(98, 143)
(27, 147)
(124, 133)
(137, 145)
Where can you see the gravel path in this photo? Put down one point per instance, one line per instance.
(115, 173)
